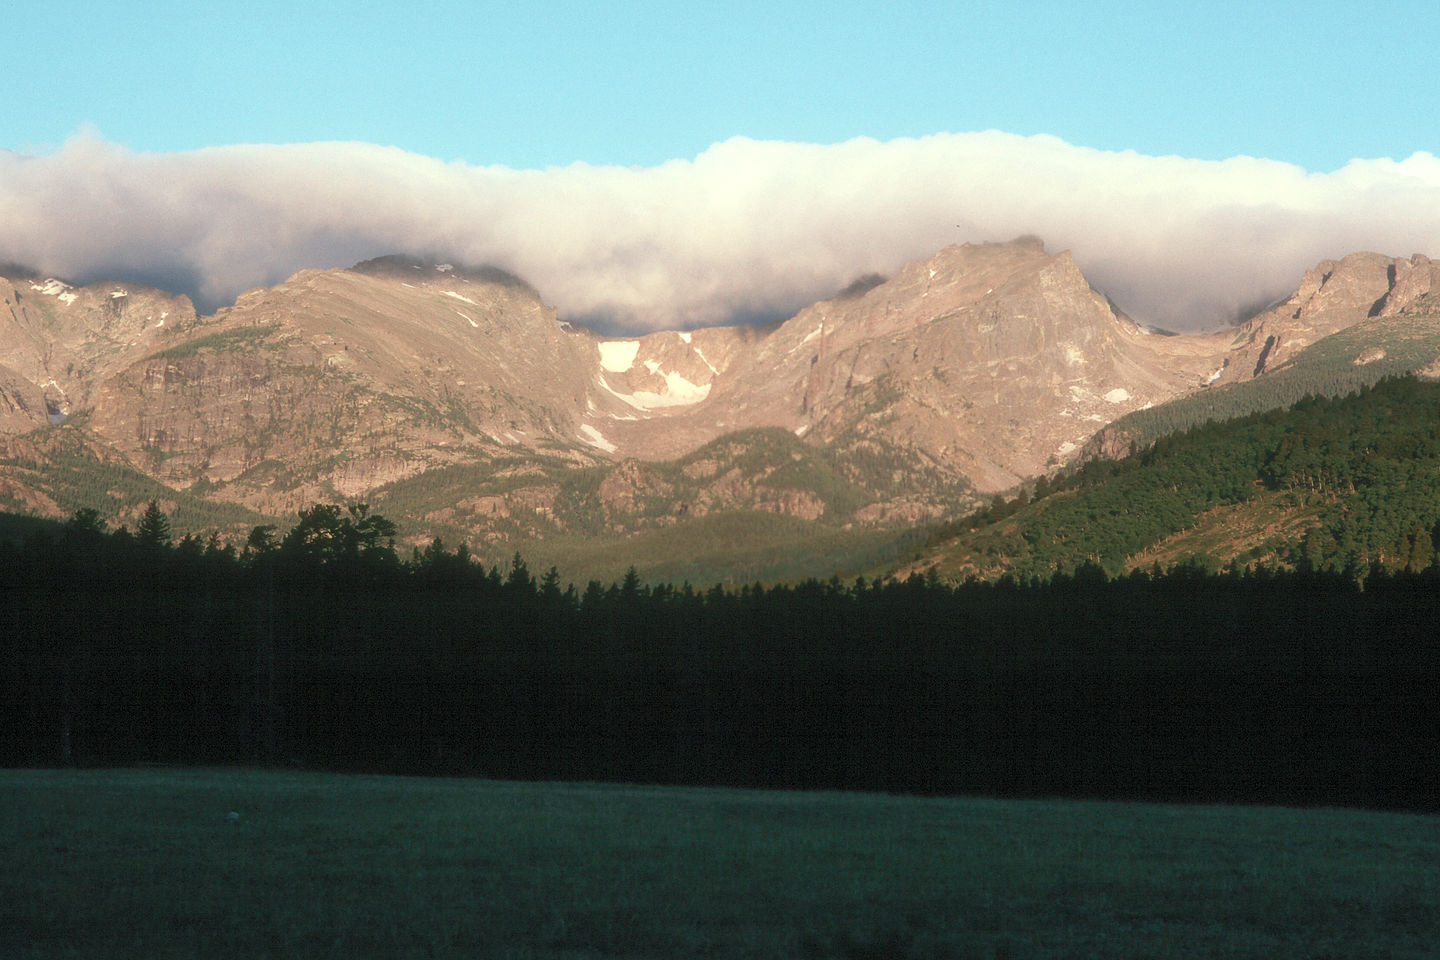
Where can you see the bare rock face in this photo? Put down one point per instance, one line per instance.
(1410, 281)
(66, 339)
(898, 400)
(343, 380)
(988, 362)
(624, 486)
(22, 404)
(1333, 296)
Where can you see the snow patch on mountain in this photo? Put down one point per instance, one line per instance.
(705, 360)
(679, 392)
(617, 356)
(58, 289)
(596, 439)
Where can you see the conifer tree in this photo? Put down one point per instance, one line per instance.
(153, 531)
(84, 523)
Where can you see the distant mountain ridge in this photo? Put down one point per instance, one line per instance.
(455, 395)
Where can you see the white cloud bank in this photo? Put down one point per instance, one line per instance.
(746, 229)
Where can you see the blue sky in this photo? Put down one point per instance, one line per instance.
(1314, 84)
(1118, 128)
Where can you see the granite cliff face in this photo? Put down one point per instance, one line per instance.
(900, 399)
(1334, 296)
(64, 340)
(990, 363)
(338, 381)
(22, 404)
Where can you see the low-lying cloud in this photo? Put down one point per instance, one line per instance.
(748, 229)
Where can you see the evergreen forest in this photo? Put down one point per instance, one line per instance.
(321, 646)
(1347, 485)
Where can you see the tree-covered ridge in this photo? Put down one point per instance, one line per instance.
(769, 467)
(1335, 484)
(1377, 349)
(754, 504)
(58, 470)
(736, 510)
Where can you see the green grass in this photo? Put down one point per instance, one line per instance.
(145, 863)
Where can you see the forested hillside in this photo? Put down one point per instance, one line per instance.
(1334, 485)
(753, 505)
(1377, 349)
(321, 646)
(757, 504)
(62, 469)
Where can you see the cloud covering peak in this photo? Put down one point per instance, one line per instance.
(747, 229)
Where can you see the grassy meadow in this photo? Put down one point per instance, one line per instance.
(152, 864)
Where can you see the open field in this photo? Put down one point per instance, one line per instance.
(151, 864)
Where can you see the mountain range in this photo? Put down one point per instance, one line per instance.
(454, 399)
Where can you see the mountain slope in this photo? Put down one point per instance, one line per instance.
(64, 340)
(22, 404)
(457, 401)
(979, 367)
(338, 381)
(1335, 484)
(991, 362)
(1331, 297)
(1362, 353)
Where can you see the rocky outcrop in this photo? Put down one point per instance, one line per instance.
(67, 339)
(1410, 281)
(626, 486)
(22, 404)
(1334, 296)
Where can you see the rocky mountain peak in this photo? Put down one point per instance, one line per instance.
(1332, 296)
(1000, 344)
(965, 372)
(1409, 281)
(64, 339)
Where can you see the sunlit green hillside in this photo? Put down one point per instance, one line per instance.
(1342, 363)
(1326, 484)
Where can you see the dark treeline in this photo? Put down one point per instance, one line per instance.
(322, 646)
